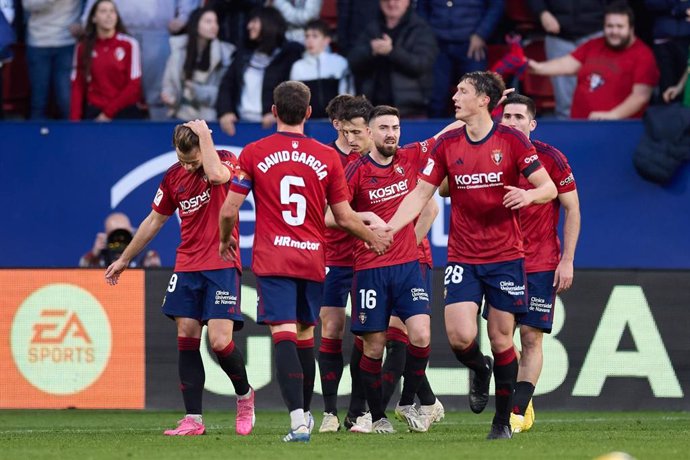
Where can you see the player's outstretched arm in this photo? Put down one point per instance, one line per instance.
(544, 191)
(571, 231)
(147, 230)
(412, 205)
(215, 171)
(378, 240)
(229, 213)
(426, 218)
(368, 218)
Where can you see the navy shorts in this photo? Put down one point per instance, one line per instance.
(501, 283)
(337, 286)
(377, 292)
(204, 295)
(284, 300)
(427, 279)
(542, 301)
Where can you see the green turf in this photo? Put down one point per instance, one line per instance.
(81, 435)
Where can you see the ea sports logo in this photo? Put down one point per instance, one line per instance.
(61, 339)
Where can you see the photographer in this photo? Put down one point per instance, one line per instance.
(109, 245)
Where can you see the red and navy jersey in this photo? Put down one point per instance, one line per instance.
(482, 230)
(339, 244)
(380, 189)
(198, 203)
(293, 178)
(539, 223)
(114, 80)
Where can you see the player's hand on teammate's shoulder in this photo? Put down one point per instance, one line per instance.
(516, 198)
(227, 249)
(198, 127)
(112, 273)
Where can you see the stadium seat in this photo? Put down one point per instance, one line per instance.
(538, 87)
(15, 84)
(518, 12)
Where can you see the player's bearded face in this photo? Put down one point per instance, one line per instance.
(385, 131)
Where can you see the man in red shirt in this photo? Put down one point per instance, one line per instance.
(616, 73)
(204, 289)
(548, 272)
(293, 178)
(482, 162)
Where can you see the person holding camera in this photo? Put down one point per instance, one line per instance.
(110, 244)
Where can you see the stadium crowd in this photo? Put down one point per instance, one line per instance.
(220, 60)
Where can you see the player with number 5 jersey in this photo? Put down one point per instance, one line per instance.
(293, 178)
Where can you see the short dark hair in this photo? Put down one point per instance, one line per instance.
(291, 99)
(487, 83)
(382, 110)
(621, 7)
(515, 98)
(185, 140)
(335, 106)
(320, 26)
(357, 107)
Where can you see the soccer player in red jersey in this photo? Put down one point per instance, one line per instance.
(353, 131)
(548, 271)
(204, 289)
(378, 182)
(483, 162)
(293, 178)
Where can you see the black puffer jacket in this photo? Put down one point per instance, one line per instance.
(665, 144)
(410, 63)
(578, 18)
(277, 72)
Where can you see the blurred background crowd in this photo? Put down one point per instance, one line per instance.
(220, 59)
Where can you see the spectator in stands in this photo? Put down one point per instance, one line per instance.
(106, 79)
(197, 63)
(568, 24)
(11, 31)
(110, 244)
(297, 13)
(393, 59)
(326, 74)
(151, 22)
(246, 92)
(50, 52)
(351, 13)
(233, 16)
(615, 73)
(462, 29)
(671, 39)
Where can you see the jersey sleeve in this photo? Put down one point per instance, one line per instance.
(527, 158)
(425, 148)
(241, 181)
(229, 160)
(646, 71)
(580, 53)
(337, 188)
(163, 202)
(435, 169)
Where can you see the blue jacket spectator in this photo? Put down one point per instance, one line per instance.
(462, 29)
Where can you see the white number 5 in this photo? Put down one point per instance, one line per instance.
(288, 198)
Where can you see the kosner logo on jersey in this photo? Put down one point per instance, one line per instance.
(388, 192)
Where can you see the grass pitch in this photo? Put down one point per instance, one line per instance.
(81, 434)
